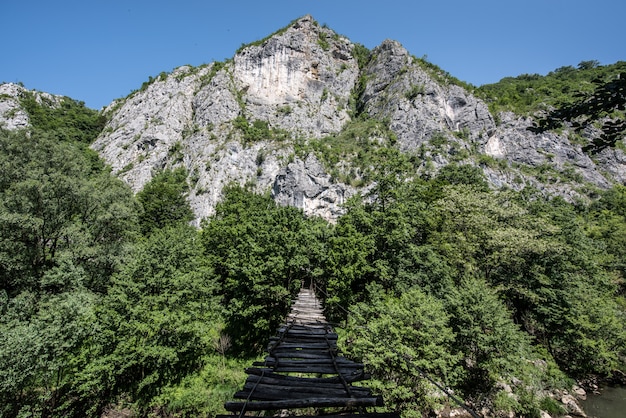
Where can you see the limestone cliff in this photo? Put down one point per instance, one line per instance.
(12, 114)
(296, 83)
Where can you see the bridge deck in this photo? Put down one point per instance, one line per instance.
(304, 369)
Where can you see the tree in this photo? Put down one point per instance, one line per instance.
(68, 120)
(262, 254)
(39, 340)
(587, 65)
(462, 174)
(494, 348)
(54, 207)
(539, 259)
(156, 324)
(164, 200)
(403, 342)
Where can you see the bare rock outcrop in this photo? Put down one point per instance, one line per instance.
(299, 80)
(12, 116)
(401, 90)
(297, 83)
(305, 185)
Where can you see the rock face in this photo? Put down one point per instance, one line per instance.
(297, 83)
(399, 89)
(299, 80)
(245, 121)
(445, 123)
(12, 116)
(305, 184)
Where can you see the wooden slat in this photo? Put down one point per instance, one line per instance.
(354, 376)
(304, 403)
(302, 354)
(329, 388)
(305, 331)
(340, 361)
(282, 380)
(313, 369)
(259, 391)
(301, 344)
(302, 338)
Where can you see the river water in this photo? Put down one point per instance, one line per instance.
(611, 403)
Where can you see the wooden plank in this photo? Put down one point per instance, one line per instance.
(320, 351)
(308, 345)
(297, 322)
(306, 331)
(305, 346)
(278, 395)
(260, 382)
(303, 354)
(353, 376)
(340, 361)
(308, 363)
(314, 369)
(302, 338)
(308, 313)
(258, 391)
(328, 389)
(282, 380)
(304, 403)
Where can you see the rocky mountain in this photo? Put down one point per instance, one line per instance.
(12, 113)
(250, 120)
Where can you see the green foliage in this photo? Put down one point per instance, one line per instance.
(529, 93)
(361, 142)
(414, 91)
(70, 120)
(259, 130)
(203, 393)
(175, 153)
(523, 285)
(261, 254)
(362, 55)
(55, 212)
(606, 106)
(216, 67)
(65, 227)
(322, 41)
(36, 352)
(144, 86)
(462, 174)
(164, 202)
(400, 340)
(441, 76)
(541, 263)
(156, 324)
(494, 349)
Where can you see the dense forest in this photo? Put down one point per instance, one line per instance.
(110, 300)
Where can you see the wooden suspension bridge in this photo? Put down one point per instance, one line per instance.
(304, 370)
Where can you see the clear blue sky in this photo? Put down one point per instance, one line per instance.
(99, 50)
